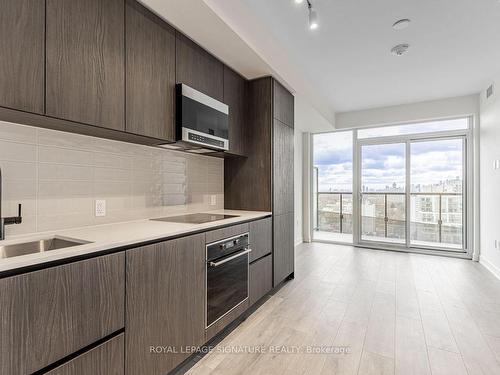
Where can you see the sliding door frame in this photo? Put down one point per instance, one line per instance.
(467, 191)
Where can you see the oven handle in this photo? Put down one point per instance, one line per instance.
(217, 264)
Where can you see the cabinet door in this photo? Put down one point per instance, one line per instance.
(235, 98)
(197, 68)
(248, 181)
(283, 199)
(150, 73)
(105, 359)
(261, 238)
(165, 303)
(22, 44)
(260, 278)
(283, 105)
(85, 62)
(49, 314)
(284, 252)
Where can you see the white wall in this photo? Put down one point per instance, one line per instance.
(307, 119)
(490, 179)
(451, 107)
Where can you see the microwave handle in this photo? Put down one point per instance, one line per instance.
(228, 259)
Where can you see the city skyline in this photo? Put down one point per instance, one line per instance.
(433, 163)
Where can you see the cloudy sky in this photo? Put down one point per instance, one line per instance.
(383, 165)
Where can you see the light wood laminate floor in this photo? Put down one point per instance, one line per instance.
(397, 313)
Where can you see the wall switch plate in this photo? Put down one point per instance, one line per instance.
(496, 244)
(213, 200)
(496, 164)
(100, 207)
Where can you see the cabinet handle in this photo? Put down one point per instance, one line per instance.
(217, 264)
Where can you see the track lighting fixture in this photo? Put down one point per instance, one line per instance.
(313, 15)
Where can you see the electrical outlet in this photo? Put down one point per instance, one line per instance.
(100, 207)
(496, 164)
(213, 200)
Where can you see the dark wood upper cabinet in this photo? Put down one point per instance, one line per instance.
(235, 98)
(85, 75)
(283, 104)
(165, 303)
(197, 68)
(49, 314)
(247, 181)
(150, 73)
(22, 51)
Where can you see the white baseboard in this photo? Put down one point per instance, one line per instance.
(490, 267)
(299, 241)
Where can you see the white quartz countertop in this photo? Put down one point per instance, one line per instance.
(110, 236)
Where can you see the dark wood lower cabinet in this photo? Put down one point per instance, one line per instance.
(261, 238)
(220, 234)
(105, 359)
(165, 304)
(261, 278)
(49, 314)
(284, 251)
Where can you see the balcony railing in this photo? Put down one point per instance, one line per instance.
(436, 219)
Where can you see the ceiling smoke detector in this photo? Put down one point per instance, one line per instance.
(400, 49)
(401, 24)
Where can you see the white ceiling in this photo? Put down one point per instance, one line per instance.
(226, 38)
(345, 64)
(455, 47)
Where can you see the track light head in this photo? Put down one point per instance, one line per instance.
(313, 18)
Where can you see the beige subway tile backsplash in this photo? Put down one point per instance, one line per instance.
(57, 177)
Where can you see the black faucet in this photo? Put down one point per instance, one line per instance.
(7, 220)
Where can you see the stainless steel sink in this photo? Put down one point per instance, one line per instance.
(40, 246)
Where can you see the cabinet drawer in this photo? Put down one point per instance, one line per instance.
(220, 234)
(261, 240)
(261, 278)
(105, 359)
(49, 314)
(284, 251)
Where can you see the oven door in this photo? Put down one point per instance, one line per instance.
(227, 284)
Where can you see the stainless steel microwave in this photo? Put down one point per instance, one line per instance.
(200, 119)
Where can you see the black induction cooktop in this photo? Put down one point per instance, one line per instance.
(195, 218)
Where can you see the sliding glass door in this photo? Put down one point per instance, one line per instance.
(382, 193)
(402, 187)
(412, 194)
(437, 193)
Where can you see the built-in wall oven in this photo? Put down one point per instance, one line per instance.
(227, 276)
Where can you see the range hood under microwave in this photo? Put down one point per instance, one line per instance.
(201, 120)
